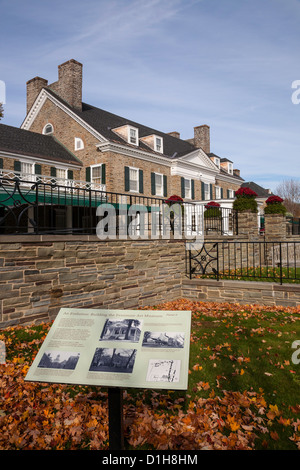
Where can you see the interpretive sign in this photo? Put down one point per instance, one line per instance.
(116, 348)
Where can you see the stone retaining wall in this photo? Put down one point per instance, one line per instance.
(243, 292)
(41, 274)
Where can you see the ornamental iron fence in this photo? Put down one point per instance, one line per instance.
(274, 261)
(47, 206)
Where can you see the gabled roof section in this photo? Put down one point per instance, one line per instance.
(103, 122)
(31, 144)
(259, 190)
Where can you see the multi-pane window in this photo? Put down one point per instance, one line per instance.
(79, 145)
(61, 174)
(206, 192)
(158, 144)
(188, 188)
(133, 135)
(134, 179)
(26, 170)
(96, 174)
(218, 192)
(159, 184)
(217, 162)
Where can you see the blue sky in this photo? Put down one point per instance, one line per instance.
(172, 65)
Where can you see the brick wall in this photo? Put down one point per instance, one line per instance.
(41, 274)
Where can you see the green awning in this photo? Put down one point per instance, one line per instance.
(55, 199)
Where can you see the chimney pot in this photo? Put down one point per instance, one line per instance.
(175, 134)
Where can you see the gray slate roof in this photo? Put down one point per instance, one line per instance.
(259, 190)
(103, 122)
(27, 143)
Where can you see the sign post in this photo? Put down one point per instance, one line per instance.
(115, 417)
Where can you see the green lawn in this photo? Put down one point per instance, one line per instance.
(259, 274)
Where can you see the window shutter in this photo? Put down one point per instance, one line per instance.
(193, 188)
(88, 174)
(141, 181)
(153, 189)
(127, 182)
(37, 169)
(165, 185)
(202, 191)
(227, 193)
(182, 188)
(221, 193)
(70, 174)
(211, 191)
(17, 166)
(103, 173)
(1, 163)
(53, 171)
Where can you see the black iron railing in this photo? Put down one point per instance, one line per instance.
(293, 225)
(277, 261)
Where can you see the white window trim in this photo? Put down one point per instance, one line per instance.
(96, 165)
(131, 128)
(218, 192)
(61, 178)
(217, 162)
(230, 168)
(138, 179)
(31, 175)
(190, 188)
(162, 184)
(161, 146)
(78, 143)
(44, 130)
(206, 193)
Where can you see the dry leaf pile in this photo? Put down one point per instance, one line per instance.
(49, 416)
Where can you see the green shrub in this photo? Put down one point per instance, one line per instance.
(245, 200)
(275, 206)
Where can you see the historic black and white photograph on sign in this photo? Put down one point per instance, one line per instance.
(158, 339)
(113, 360)
(121, 330)
(59, 360)
(163, 370)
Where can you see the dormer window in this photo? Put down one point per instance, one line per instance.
(217, 162)
(133, 135)
(129, 133)
(230, 168)
(158, 146)
(48, 129)
(79, 145)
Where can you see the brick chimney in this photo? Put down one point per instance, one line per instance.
(70, 83)
(202, 137)
(174, 134)
(33, 88)
(68, 86)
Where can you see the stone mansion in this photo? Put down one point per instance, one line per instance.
(71, 142)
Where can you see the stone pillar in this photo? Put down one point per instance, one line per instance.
(248, 225)
(275, 227)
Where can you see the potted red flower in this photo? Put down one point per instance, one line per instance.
(245, 200)
(275, 206)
